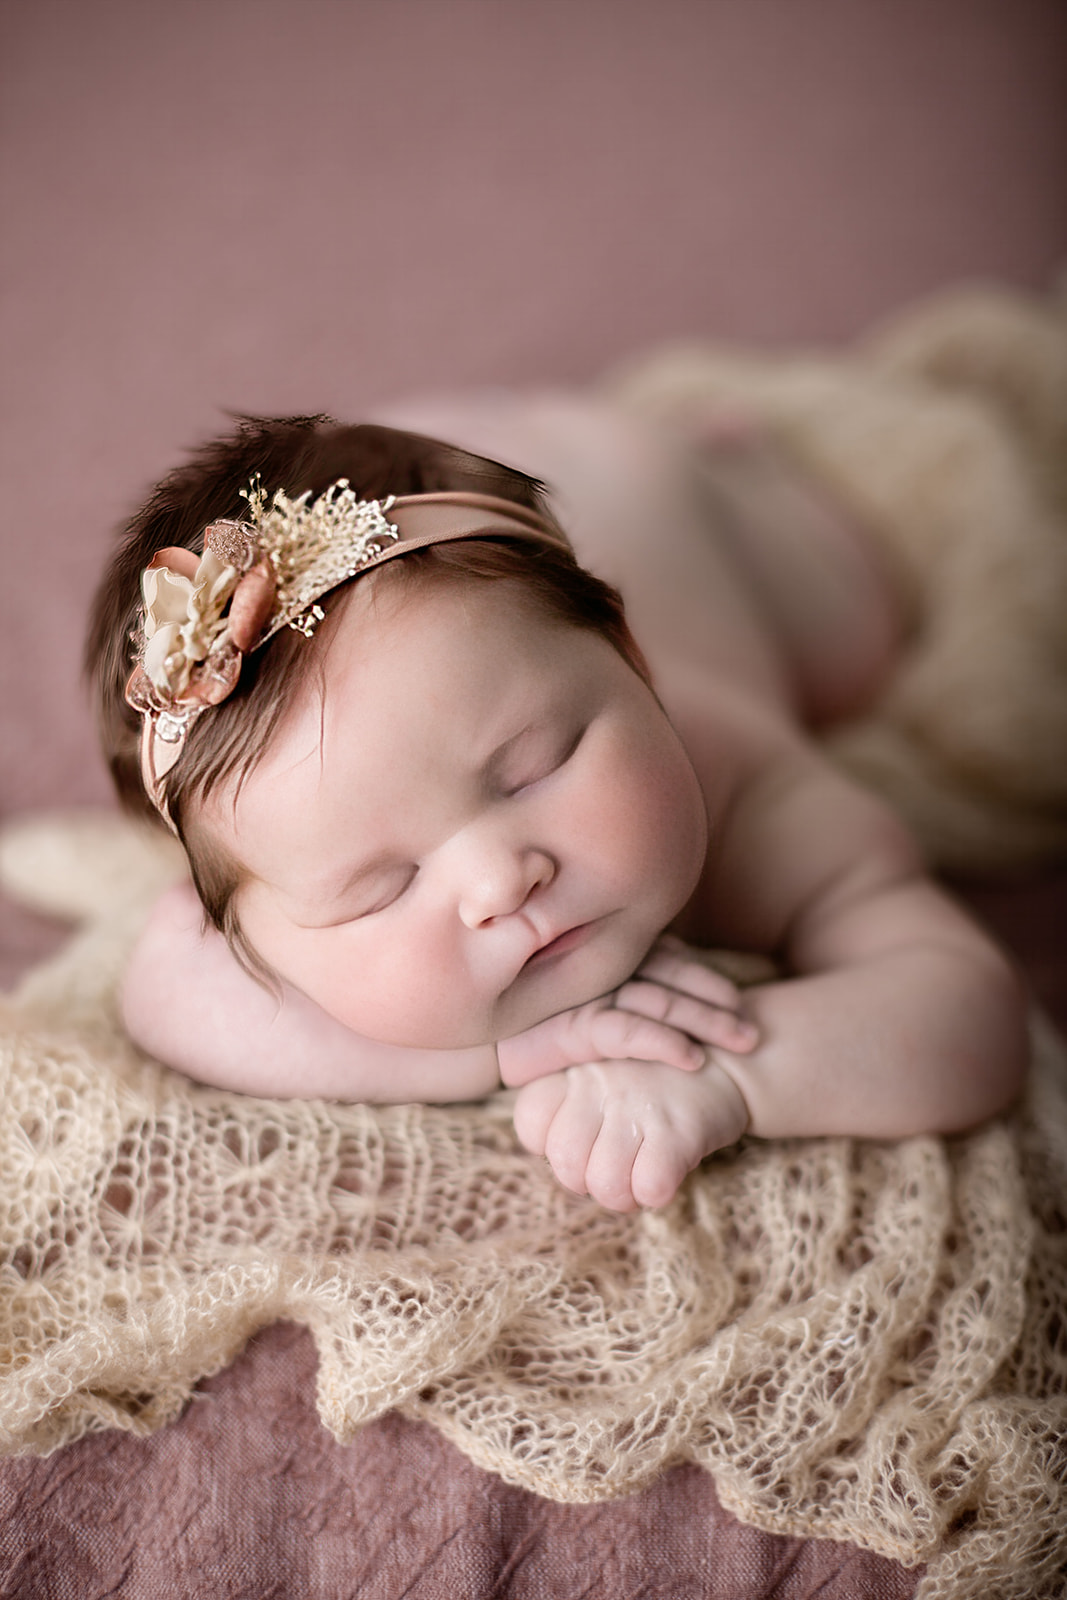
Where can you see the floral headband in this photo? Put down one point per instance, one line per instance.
(203, 614)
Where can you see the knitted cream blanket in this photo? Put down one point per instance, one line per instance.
(861, 1341)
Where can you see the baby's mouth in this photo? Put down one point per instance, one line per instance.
(560, 945)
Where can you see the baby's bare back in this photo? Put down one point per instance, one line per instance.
(731, 564)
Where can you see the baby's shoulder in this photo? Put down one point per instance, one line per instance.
(783, 824)
(733, 737)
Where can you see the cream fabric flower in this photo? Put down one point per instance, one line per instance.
(182, 618)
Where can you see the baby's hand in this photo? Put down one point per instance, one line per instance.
(627, 1132)
(679, 990)
(668, 1012)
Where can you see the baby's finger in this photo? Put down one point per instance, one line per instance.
(711, 1024)
(571, 1136)
(631, 1033)
(673, 966)
(535, 1107)
(607, 1173)
(656, 1174)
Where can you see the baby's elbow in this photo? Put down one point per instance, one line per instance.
(147, 1006)
(1009, 1003)
(997, 1063)
(140, 1010)
(155, 989)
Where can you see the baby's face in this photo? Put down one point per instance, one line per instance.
(477, 818)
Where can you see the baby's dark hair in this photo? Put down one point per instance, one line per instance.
(298, 454)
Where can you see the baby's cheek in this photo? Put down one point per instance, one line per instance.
(678, 818)
(402, 992)
(650, 828)
(377, 979)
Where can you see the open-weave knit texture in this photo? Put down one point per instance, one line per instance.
(861, 1341)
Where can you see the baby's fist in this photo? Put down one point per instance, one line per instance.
(626, 1132)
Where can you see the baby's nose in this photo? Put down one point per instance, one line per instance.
(500, 883)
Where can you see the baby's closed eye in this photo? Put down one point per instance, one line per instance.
(386, 894)
(371, 895)
(531, 760)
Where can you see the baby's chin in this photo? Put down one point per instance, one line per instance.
(538, 993)
(546, 987)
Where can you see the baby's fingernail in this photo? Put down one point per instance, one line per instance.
(746, 1032)
(696, 1054)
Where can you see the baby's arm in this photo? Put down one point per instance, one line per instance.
(899, 1016)
(188, 1001)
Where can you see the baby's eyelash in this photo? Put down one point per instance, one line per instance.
(387, 900)
(553, 765)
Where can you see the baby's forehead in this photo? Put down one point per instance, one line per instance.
(400, 667)
(411, 584)
(455, 620)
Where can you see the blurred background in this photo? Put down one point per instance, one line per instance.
(278, 205)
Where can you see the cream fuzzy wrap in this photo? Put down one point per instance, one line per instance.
(946, 437)
(860, 1341)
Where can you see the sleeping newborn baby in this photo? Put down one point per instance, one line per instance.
(453, 819)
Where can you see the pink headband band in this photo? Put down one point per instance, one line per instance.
(203, 614)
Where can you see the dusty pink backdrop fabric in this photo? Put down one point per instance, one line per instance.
(285, 204)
